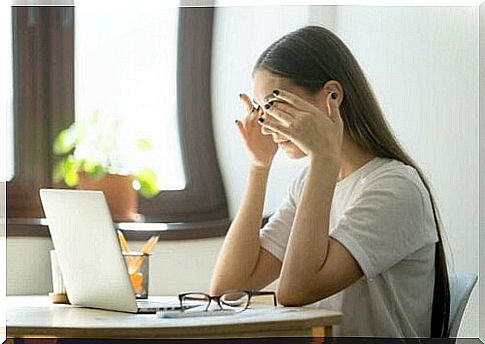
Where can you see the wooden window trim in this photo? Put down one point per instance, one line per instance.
(203, 198)
(43, 75)
(201, 207)
(180, 231)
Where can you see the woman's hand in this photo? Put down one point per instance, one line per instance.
(318, 133)
(260, 148)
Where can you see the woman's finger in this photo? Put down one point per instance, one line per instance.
(276, 109)
(265, 131)
(252, 112)
(288, 108)
(241, 129)
(248, 105)
(275, 125)
(240, 126)
(292, 99)
(246, 102)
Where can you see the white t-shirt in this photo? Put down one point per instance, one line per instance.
(382, 214)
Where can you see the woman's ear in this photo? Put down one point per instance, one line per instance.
(332, 86)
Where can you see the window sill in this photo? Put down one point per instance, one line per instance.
(37, 227)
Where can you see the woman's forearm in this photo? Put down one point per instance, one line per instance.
(240, 250)
(308, 243)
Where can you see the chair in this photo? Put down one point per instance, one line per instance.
(461, 286)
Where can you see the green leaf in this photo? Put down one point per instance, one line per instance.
(98, 172)
(65, 141)
(88, 166)
(70, 176)
(148, 183)
(93, 169)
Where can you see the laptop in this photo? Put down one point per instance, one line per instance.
(89, 253)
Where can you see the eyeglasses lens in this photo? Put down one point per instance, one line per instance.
(200, 301)
(237, 301)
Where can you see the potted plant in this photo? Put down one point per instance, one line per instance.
(96, 154)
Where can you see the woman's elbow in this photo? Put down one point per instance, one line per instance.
(287, 301)
(218, 287)
(297, 294)
(290, 297)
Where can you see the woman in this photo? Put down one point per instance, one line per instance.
(358, 230)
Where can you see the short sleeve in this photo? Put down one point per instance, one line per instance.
(390, 219)
(275, 234)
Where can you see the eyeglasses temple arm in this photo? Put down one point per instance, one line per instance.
(264, 292)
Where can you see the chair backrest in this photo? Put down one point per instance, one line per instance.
(461, 286)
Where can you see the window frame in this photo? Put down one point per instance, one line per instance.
(41, 108)
(203, 197)
(200, 209)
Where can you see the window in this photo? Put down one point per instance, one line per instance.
(43, 54)
(6, 126)
(126, 66)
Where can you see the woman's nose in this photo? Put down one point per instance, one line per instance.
(276, 136)
(266, 131)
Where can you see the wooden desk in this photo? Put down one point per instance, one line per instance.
(35, 316)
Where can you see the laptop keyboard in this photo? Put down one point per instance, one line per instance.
(156, 304)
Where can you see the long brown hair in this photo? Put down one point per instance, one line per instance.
(313, 55)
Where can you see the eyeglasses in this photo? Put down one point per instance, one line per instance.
(234, 300)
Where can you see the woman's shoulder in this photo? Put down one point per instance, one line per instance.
(395, 185)
(396, 175)
(380, 173)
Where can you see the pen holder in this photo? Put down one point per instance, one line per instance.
(138, 267)
(58, 294)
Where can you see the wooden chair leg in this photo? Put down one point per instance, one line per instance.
(322, 331)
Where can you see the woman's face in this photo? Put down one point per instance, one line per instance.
(264, 83)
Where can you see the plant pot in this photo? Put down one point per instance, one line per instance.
(121, 197)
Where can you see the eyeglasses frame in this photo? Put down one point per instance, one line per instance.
(217, 298)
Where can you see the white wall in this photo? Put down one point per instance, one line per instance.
(423, 65)
(323, 15)
(28, 265)
(175, 266)
(482, 170)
